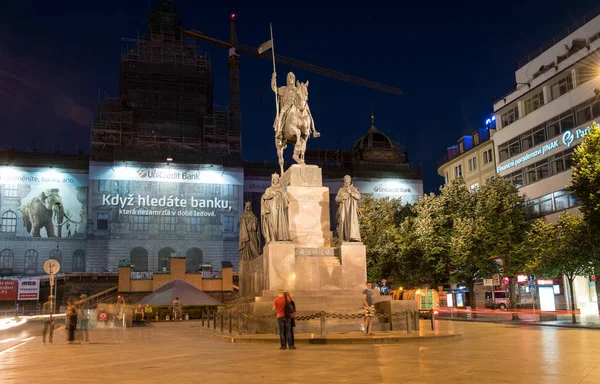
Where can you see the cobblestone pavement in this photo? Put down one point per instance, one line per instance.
(176, 353)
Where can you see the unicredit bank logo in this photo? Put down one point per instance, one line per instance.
(567, 138)
(142, 173)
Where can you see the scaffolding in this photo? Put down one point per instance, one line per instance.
(166, 101)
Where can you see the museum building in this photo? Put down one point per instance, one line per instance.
(540, 123)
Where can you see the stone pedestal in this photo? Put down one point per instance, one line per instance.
(308, 214)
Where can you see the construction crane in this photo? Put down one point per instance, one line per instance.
(234, 66)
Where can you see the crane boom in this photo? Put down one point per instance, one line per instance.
(297, 64)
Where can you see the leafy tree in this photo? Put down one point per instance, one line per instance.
(562, 249)
(586, 176)
(500, 226)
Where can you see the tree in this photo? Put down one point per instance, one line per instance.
(500, 227)
(562, 249)
(586, 176)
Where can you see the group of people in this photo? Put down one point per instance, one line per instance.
(285, 308)
(77, 316)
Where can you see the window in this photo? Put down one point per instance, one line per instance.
(553, 202)
(79, 261)
(446, 177)
(193, 260)
(56, 255)
(167, 223)
(474, 187)
(11, 190)
(539, 135)
(534, 102)
(587, 111)
(561, 87)
(141, 223)
(542, 169)
(31, 261)
(9, 222)
(503, 152)
(103, 185)
(102, 221)
(228, 223)
(516, 178)
(527, 140)
(164, 257)
(458, 171)
(510, 116)
(138, 258)
(7, 258)
(473, 164)
(194, 224)
(229, 190)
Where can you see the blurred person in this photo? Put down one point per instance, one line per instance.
(119, 318)
(84, 319)
(176, 309)
(48, 309)
(71, 320)
(148, 312)
(139, 313)
(367, 297)
(290, 311)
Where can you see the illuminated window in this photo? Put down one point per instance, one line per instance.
(11, 190)
(9, 222)
(474, 187)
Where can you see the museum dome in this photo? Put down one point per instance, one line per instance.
(376, 145)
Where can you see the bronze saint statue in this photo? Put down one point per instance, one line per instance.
(273, 212)
(294, 122)
(249, 244)
(347, 213)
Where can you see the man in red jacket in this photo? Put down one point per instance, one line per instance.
(283, 322)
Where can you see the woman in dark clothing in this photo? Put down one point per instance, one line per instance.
(71, 320)
(292, 320)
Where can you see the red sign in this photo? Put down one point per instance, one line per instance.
(593, 278)
(8, 289)
(102, 316)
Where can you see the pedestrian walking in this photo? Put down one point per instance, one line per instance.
(176, 309)
(119, 318)
(283, 322)
(48, 310)
(84, 319)
(367, 297)
(290, 311)
(71, 320)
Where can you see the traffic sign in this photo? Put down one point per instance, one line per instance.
(593, 278)
(531, 278)
(51, 266)
(532, 287)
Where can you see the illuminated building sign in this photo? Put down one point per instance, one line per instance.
(567, 139)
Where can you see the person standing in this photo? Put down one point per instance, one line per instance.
(147, 312)
(367, 297)
(71, 320)
(84, 319)
(283, 322)
(290, 312)
(119, 318)
(176, 309)
(48, 310)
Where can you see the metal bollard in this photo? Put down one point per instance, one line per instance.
(416, 320)
(215, 320)
(230, 322)
(221, 316)
(432, 321)
(202, 317)
(408, 322)
(322, 323)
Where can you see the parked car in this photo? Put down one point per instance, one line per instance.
(500, 300)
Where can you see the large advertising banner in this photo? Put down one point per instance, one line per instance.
(8, 290)
(407, 190)
(202, 196)
(50, 202)
(29, 290)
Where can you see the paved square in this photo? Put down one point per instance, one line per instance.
(177, 353)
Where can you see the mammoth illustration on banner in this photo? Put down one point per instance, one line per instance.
(47, 211)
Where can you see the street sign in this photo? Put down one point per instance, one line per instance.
(51, 266)
(496, 279)
(29, 290)
(531, 278)
(532, 287)
(488, 282)
(8, 289)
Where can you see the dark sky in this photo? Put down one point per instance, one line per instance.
(449, 58)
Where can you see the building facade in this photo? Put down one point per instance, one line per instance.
(472, 159)
(541, 122)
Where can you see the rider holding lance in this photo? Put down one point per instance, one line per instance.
(287, 97)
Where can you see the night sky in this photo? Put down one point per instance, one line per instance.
(449, 58)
